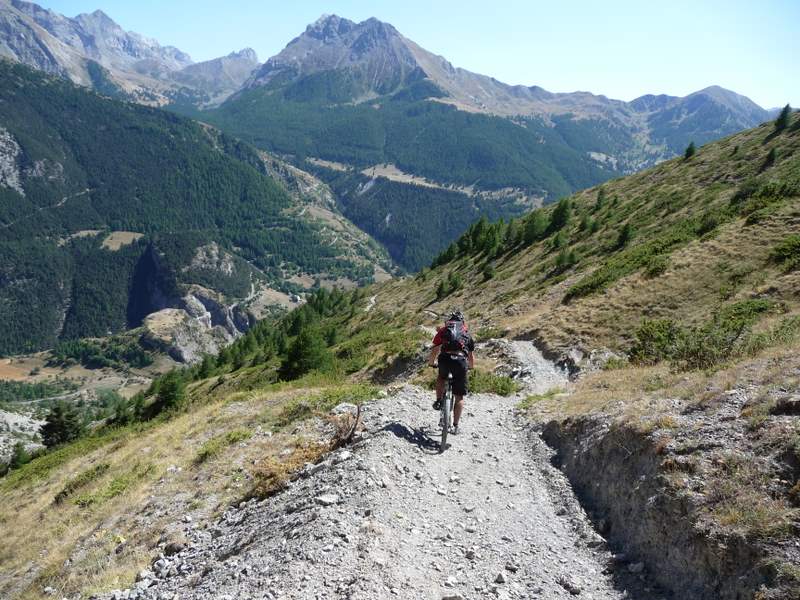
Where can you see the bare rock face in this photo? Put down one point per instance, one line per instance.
(374, 54)
(186, 338)
(219, 77)
(10, 176)
(98, 37)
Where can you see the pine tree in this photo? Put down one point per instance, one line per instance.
(625, 236)
(62, 425)
(535, 227)
(561, 215)
(171, 393)
(690, 151)
(601, 199)
(307, 353)
(782, 122)
(19, 456)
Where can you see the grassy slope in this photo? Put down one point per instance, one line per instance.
(729, 263)
(122, 490)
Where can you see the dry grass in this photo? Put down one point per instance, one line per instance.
(119, 239)
(698, 278)
(131, 487)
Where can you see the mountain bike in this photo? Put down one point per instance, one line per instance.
(446, 412)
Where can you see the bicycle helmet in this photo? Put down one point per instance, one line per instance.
(456, 315)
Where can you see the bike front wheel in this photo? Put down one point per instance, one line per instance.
(447, 405)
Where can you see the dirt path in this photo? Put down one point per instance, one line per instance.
(391, 517)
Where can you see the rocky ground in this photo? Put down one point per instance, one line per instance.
(392, 517)
(16, 427)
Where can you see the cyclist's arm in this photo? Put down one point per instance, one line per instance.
(470, 360)
(434, 355)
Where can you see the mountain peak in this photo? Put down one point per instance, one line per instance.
(329, 26)
(247, 54)
(371, 56)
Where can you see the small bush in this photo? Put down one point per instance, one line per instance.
(708, 223)
(656, 340)
(787, 253)
(117, 486)
(217, 444)
(489, 333)
(81, 480)
(489, 272)
(656, 266)
(452, 283)
(624, 237)
(690, 151)
(615, 363)
(529, 401)
(481, 382)
(724, 336)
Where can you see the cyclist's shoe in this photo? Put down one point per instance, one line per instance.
(454, 430)
(437, 405)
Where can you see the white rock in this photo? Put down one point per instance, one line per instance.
(327, 499)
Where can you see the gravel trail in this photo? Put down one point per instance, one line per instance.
(392, 518)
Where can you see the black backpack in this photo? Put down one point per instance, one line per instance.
(454, 337)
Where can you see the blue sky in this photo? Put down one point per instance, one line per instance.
(618, 48)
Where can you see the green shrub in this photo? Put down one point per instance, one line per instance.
(489, 333)
(117, 486)
(481, 382)
(624, 237)
(452, 283)
(633, 258)
(489, 272)
(655, 266)
(213, 447)
(787, 253)
(708, 223)
(529, 401)
(656, 340)
(690, 151)
(693, 348)
(81, 480)
(615, 363)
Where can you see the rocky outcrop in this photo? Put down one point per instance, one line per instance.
(10, 176)
(200, 323)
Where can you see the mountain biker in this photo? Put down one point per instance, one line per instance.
(454, 347)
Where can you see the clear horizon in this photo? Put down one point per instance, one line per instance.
(621, 51)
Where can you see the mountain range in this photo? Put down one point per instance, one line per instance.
(93, 50)
(355, 122)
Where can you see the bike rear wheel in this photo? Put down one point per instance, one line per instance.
(447, 406)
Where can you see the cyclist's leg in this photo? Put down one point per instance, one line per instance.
(440, 380)
(459, 369)
(458, 407)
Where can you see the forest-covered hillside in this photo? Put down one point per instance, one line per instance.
(72, 162)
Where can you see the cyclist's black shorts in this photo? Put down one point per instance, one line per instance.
(457, 365)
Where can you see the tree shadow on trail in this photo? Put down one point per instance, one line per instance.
(417, 436)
